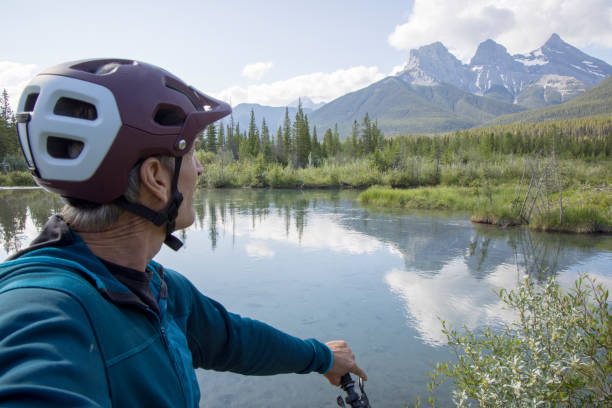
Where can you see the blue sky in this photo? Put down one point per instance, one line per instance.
(271, 52)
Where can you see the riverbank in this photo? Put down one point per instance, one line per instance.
(417, 172)
(484, 189)
(585, 210)
(17, 179)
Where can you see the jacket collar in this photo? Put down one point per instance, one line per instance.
(57, 241)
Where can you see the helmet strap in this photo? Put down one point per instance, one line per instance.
(159, 218)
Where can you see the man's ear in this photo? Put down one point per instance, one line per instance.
(155, 183)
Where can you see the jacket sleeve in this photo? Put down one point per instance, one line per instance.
(225, 341)
(48, 352)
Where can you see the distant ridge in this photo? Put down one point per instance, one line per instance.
(436, 92)
(274, 115)
(401, 107)
(594, 102)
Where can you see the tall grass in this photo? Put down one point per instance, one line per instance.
(584, 211)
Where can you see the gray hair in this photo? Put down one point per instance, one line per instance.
(98, 218)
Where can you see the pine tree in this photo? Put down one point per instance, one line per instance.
(327, 150)
(287, 145)
(266, 145)
(315, 147)
(279, 145)
(301, 136)
(211, 138)
(355, 139)
(221, 138)
(236, 142)
(336, 139)
(9, 143)
(366, 135)
(6, 113)
(253, 136)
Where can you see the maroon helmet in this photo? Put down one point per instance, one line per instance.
(133, 110)
(84, 125)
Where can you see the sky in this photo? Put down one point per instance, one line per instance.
(272, 52)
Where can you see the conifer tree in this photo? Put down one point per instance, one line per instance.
(6, 113)
(327, 149)
(366, 135)
(315, 147)
(336, 139)
(9, 143)
(231, 142)
(279, 145)
(236, 143)
(355, 138)
(211, 138)
(221, 138)
(301, 136)
(266, 145)
(253, 136)
(287, 145)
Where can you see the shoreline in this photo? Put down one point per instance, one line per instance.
(584, 212)
(491, 207)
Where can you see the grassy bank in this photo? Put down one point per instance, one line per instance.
(416, 172)
(16, 179)
(585, 210)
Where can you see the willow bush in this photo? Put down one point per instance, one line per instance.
(557, 352)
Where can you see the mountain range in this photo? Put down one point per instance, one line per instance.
(436, 92)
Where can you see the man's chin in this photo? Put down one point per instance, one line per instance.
(184, 222)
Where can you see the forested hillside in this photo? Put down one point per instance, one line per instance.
(596, 101)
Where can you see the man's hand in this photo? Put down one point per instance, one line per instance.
(344, 362)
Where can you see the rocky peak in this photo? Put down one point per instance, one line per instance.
(556, 43)
(432, 64)
(491, 53)
(435, 53)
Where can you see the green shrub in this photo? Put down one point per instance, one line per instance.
(584, 219)
(217, 176)
(282, 177)
(558, 352)
(20, 178)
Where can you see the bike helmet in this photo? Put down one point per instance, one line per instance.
(84, 125)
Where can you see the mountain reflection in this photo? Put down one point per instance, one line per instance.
(332, 219)
(450, 266)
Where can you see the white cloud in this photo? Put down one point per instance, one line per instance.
(453, 295)
(14, 76)
(519, 25)
(318, 86)
(323, 232)
(397, 69)
(256, 70)
(259, 250)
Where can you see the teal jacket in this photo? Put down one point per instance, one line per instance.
(71, 335)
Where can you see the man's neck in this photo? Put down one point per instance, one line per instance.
(132, 242)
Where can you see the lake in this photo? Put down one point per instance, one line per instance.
(318, 264)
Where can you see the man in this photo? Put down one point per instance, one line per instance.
(87, 318)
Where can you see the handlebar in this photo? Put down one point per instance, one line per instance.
(353, 398)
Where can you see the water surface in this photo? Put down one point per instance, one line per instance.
(317, 264)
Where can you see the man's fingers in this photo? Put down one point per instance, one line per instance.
(359, 372)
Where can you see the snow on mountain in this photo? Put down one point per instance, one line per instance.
(566, 86)
(307, 103)
(557, 66)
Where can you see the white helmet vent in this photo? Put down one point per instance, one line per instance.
(62, 148)
(75, 109)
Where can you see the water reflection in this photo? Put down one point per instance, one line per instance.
(451, 267)
(317, 264)
(22, 212)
